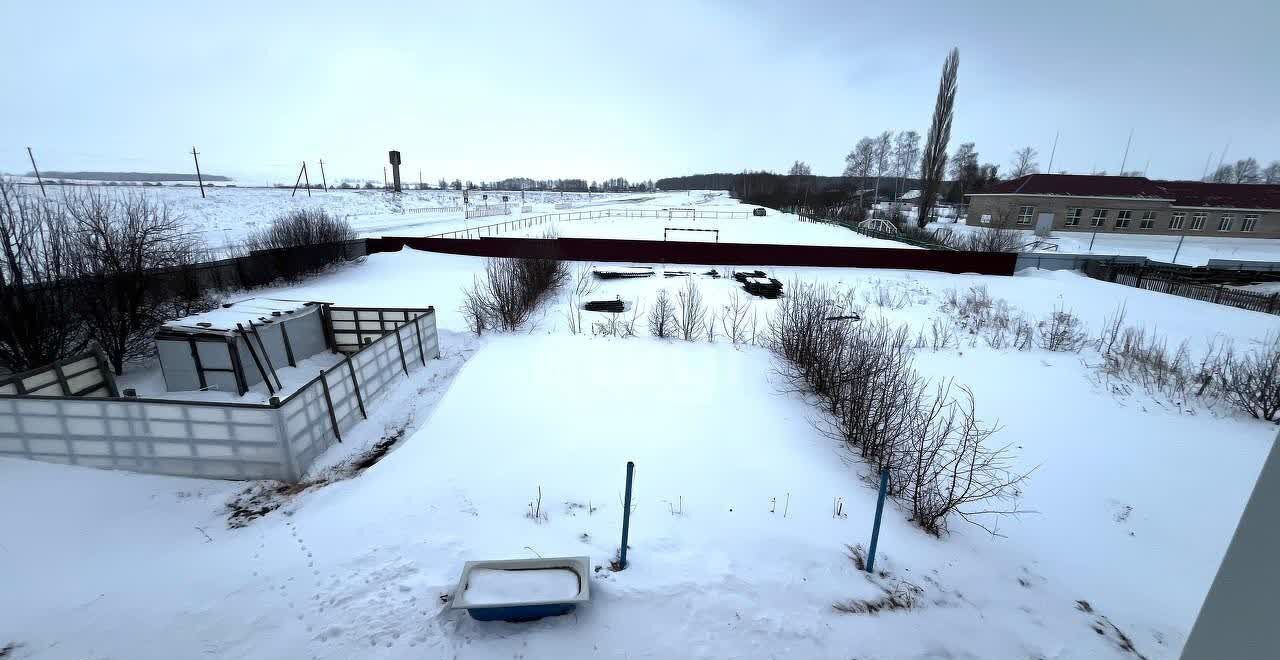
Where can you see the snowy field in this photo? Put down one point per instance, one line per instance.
(735, 550)
(1195, 251)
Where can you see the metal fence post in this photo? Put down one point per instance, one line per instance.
(328, 402)
(626, 517)
(875, 529)
(400, 345)
(355, 386)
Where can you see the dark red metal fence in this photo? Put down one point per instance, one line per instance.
(716, 254)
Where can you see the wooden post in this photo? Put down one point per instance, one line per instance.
(37, 171)
(295, 183)
(324, 182)
(306, 178)
(196, 156)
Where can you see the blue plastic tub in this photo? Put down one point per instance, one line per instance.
(517, 608)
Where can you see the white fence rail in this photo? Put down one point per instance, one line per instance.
(568, 216)
(279, 440)
(486, 211)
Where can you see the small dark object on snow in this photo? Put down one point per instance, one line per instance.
(742, 275)
(758, 212)
(614, 306)
(846, 317)
(764, 287)
(621, 273)
(676, 273)
(712, 273)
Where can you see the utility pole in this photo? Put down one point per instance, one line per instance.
(384, 177)
(323, 181)
(1204, 175)
(1054, 151)
(306, 178)
(37, 171)
(420, 186)
(196, 155)
(1125, 160)
(298, 181)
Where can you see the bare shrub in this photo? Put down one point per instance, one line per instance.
(1143, 357)
(691, 312)
(584, 284)
(302, 241)
(510, 291)
(301, 227)
(628, 324)
(662, 316)
(38, 290)
(1061, 331)
(127, 249)
(1251, 382)
(950, 468)
(733, 318)
(934, 447)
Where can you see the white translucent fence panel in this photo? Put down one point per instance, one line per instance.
(218, 440)
(175, 438)
(313, 419)
(85, 374)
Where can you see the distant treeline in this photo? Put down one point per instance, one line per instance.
(777, 190)
(126, 176)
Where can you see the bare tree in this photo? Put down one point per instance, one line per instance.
(1271, 175)
(934, 159)
(906, 155)
(125, 247)
(861, 161)
(691, 313)
(1247, 171)
(1224, 174)
(662, 321)
(38, 292)
(1024, 162)
(882, 155)
(800, 168)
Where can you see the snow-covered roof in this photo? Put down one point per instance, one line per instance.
(245, 312)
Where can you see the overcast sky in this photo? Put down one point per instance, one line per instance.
(480, 90)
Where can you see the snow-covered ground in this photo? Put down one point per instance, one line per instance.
(735, 551)
(1196, 250)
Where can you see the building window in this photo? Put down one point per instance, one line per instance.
(1073, 216)
(1175, 220)
(1025, 213)
(1224, 224)
(1122, 219)
(1099, 218)
(1250, 222)
(1148, 220)
(1197, 221)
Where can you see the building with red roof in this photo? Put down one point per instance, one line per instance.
(1129, 204)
